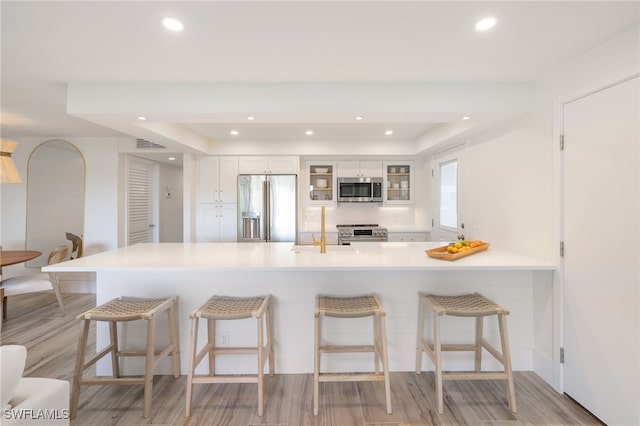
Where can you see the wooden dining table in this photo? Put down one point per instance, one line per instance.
(11, 257)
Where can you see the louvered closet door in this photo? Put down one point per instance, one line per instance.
(139, 203)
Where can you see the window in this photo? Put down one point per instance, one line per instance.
(448, 194)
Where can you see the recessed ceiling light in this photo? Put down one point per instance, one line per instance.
(172, 158)
(234, 132)
(388, 132)
(359, 118)
(308, 132)
(485, 23)
(466, 117)
(251, 117)
(141, 118)
(172, 24)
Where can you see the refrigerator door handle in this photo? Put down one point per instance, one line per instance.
(266, 197)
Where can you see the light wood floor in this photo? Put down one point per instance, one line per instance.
(35, 322)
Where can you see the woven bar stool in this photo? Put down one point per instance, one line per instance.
(122, 310)
(231, 308)
(352, 307)
(468, 305)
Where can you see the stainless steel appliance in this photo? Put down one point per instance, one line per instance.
(348, 234)
(267, 208)
(360, 190)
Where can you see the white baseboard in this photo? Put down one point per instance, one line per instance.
(77, 282)
(543, 366)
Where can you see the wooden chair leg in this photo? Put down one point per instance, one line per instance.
(4, 307)
(53, 277)
(1, 307)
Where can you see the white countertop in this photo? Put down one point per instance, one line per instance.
(280, 256)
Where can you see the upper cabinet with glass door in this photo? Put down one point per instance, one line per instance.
(398, 182)
(321, 183)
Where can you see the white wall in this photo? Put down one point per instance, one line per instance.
(100, 215)
(513, 177)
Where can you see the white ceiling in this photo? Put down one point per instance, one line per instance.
(49, 45)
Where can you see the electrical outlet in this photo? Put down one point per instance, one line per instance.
(222, 338)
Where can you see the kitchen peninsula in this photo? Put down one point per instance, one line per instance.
(396, 271)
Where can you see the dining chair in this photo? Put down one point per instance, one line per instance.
(41, 281)
(76, 249)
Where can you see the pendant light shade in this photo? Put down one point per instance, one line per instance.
(8, 171)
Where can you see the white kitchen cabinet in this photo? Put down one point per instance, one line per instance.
(359, 168)
(407, 236)
(218, 179)
(277, 165)
(398, 182)
(217, 222)
(217, 199)
(320, 184)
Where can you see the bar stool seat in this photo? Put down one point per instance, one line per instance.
(231, 308)
(467, 305)
(122, 310)
(352, 307)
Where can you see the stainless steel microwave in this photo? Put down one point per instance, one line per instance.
(359, 190)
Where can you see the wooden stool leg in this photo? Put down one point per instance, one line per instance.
(173, 337)
(478, 355)
(316, 365)
(385, 362)
(377, 342)
(270, 340)
(260, 365)
(148, 370)
(192, 364)
(506, 356)
(115, 361)
(420, 337)
(77, 375)
(211, 341)
(438, 364)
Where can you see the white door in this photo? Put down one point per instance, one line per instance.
(602, 257)
(140, 202)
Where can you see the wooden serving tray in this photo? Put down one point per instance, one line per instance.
(442, 253)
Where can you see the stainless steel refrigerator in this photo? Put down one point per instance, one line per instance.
(267, 208)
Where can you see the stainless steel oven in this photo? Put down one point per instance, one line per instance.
(359, 190)
(348, 234)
